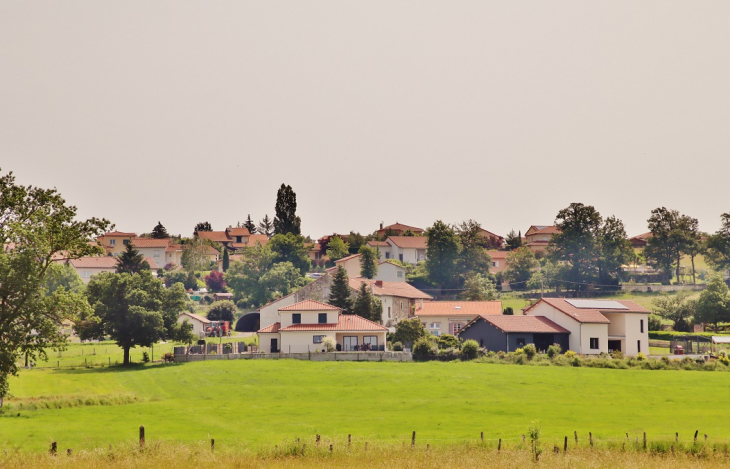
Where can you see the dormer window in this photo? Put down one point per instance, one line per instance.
(322, 318)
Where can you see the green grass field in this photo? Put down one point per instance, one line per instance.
(255, 403)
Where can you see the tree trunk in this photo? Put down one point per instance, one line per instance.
(679, 259)
(694, 280)
(126, 355)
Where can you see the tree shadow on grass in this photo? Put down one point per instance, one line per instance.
(132, 367)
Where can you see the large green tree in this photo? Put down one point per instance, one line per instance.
(478, 287)
(224, 310)
(202, 226)
(520, 266)
(678, 308)
(266, 226)
(35, 225)
(290, 248)
(672, 234)
(62, 275)
(473, 256)
(130, 261)
(368, 261)
(713, 305)
(133, 309)
(367, 305)
(442, 254)
(613, 249)
(513, 240)
(286, 219)
(718, 246)
(337, 248)
(340, 295)
(159, 232)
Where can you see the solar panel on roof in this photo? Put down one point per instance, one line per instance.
(596, 304)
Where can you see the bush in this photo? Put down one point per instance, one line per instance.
(423, 349)
(508, 311)
(655, 323)
(214, 281)
(530, 351)
(448, 354)
(618, 354)
(329, 344)
(640, 356)
(448, 341)
(145, 357)
(470, 350)
(168, 357)
(397, 347)
(241, 304)
(554, 350)
(570, 354)
(223, 310)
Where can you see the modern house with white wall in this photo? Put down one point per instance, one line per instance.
(199, 322)
(408, 249)
(303, 326)
(87, 267)
(447, 317)
(387, 271)
(598, 326)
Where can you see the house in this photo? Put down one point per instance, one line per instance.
(173, 254)
(199, 322)
(408, 249)
(499, 261)
(87, 267)
(390, 272)
(115, 242)
(155, 249)
(351, 264)
(316, 255)
(222, 296)
(537, 237)
(302, 327)
(447, 317)
(639, 242)
(494, 241)
(598, 326)
(508, 333)
(397, 229)
(234, 238)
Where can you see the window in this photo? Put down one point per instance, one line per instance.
(317, 339)
(638, 344)
(455, 327)
(388, 312)
(399, 274)
(371, 340)
(387, 255)
(322, 319)
(112, 242)
(400, 257)
(296, 318)
(641, 325)
(125, 242)
(594, 343)
(86, 274)
(435, 325)
(349, 343)
(520, 342)
(156, 254)
(494, 264)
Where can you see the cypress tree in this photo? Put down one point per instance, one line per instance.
(226, 259)
(340, 291)
(286, 219)
(368, 262)
(159, 232)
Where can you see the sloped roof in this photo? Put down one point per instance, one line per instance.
(218, 236)
(346, 322)
(174, 247)
(498, 254)
(589, 315)
(412, 242)
(151, 242)
(378, 243)
(99, 262)
(153, 265)
(381, 288)
(401, 227)
(310, 305)
(257, 238)
(119, 233)
(196, 317)
(527, 324)
(272, 329)
(460, 308)
(238, 231)
(345, 259)
(489, 233)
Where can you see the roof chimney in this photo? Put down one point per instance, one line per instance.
(379, 283)
(381, 225)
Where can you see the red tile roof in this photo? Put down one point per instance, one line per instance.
(153, 265)
(399, 289)
(174, 247)
(120, 233)
(238, 231)
(258, 238)
(272, 329)
(378, 243)
(489, 233)
(310, 305)
(589, 315)
(101, 262)
(196, 317)
(346, 322)
(643, 237)
(218, 236)
(529, 324)
(344, 259)
(413, 242)
(151, 242)
(401, 227)
(498, 254)
(460, 308)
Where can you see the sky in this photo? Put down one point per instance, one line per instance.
(373, 111)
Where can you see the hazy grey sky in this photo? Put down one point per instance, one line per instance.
(372, 111)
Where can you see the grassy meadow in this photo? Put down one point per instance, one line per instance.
(256, 404)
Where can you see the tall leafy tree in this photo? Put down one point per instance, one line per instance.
(250, 225)
(337, 248)
(367, 305)
(513, 240)
(133, 309)
(340, 291)
(130, 261)
(520, 266)
(613, 249)
(473, 256)
(718, 246)
(442, 254)
(291, 248)
(478, 287)
(577, 243)
(671, 232)
(224, 310)
(692, 244)
(713, 305)
(266, 226)
(36, 224)
(286, 219)
(677, 308)
(226, 260)
(159, 232)
(202, 226)
(62, 275)
(368, 261)
(355, 241)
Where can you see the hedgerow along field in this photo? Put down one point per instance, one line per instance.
(256, 404)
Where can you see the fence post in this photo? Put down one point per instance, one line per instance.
(705, 437)
(349, 440)
(590, 439)
(54, 446)
(565, 445)
(696, 432)
(212, 445)
(141, 437)
(676, 437)
(644, 441)
(482, 437)
(330, 449)
(317, 440)
(576, 437)
(499, 445)
(413, 438)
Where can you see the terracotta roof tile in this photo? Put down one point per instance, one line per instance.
(498, 254)
(589, 315)
(238, 231)
(344, 259)
(413, 242)
(218, 236)
(196, 317)
(460, 308)
(527, 324)
(310, 305)
(151, 242)
(101, 262)
(120, 233)
(378, 243)
(346, 322)
(401, 227)
(272, 329)
(399, 289)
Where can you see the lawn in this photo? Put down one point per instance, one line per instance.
(255, 403)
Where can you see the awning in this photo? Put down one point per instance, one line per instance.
(721, 339)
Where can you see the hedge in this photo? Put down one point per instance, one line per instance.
(669, 335)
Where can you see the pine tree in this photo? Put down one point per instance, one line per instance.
(203, 226)
(366, 305)
(266, 226)
(226, 260)
(340, 291)
(368, 262)
(250, 225)
(159, 232)
(131, 261)
(286, 219)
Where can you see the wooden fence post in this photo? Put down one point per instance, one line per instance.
(330, 449)
(212, 445)
(413, 438)
(676, 437)
(499, 445)
(54, 446)
(482, 437)
(696, 432)
(644, 441)
(317, 440)
(141, 437)
(590, 439)
(349, 440)
(576, 437)
(565, 445)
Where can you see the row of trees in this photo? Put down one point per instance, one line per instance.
(711, 307)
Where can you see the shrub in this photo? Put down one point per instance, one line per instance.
(530, 351)
(640, 356)
(508, 311)
(223, 310)
(470, 350)
(214, 281)
(576, 361)
(448, 341)
(169, 266)
(618, 354)
(329, 344)
(554, 350)
(423, 349)
(655, 323)
(570, 354)
(448, 354)
(241, 304)
(397, 347)
(145, 357)
(168, 357)
(519, 351)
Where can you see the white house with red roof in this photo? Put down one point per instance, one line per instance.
(397, 229)
(598, 326)
(115, 242)
(303, 326)
(87, 267)
(387, 271)
(234, 238)
(447, 317)
(537, 237)
(408, 249)
(153, 248)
